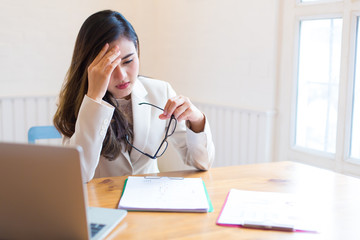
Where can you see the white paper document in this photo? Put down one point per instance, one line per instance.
(164, 194)
(266, 210)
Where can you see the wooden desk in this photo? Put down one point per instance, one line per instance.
(339, 193)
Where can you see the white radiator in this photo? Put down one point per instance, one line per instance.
(240, 136)
(18, 114)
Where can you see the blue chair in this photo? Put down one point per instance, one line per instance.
(42, 132)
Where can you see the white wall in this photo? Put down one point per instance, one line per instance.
(213, 51)
(37, 39)
(221, 52)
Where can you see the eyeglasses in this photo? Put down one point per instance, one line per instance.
(164, 144)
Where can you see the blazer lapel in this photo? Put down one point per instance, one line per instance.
(126, 156)
(141, 120)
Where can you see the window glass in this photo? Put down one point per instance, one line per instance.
(318, 84)
(355, 124)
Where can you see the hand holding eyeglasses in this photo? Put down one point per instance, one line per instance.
(182, 108)
(170, 129)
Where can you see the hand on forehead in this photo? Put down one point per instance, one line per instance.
(125, 46)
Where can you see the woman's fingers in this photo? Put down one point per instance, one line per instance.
(102, 61)
(101, 54)
(172, 104)
(109, 57)
(100, 70)
(182, 109)
(110, 68)
(185, 115)
(179, 111)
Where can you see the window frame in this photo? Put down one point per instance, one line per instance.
(292, 15)
(298, 21)
(355, 20)
(295, 112)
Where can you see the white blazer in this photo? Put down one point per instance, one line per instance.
(196, 149)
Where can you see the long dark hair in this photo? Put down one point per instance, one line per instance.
(97, 30)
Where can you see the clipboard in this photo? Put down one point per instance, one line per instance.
(264, 210)
(165, 194)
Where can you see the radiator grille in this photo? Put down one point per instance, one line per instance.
(18, 114)
(240, 136)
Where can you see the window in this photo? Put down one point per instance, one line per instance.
(355, 123)
(318, 84)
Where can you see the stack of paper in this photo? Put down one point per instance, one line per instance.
(265, 210)
(165, 194)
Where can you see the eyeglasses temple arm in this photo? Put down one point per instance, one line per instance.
(151, 105)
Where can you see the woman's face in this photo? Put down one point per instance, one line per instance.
(125, 74)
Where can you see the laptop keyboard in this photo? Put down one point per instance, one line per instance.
(95, 228)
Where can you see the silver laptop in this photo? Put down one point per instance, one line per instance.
(42, 195)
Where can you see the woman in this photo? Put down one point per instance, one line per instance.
(99, 106)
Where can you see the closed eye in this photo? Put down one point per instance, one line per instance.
(127, 62)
